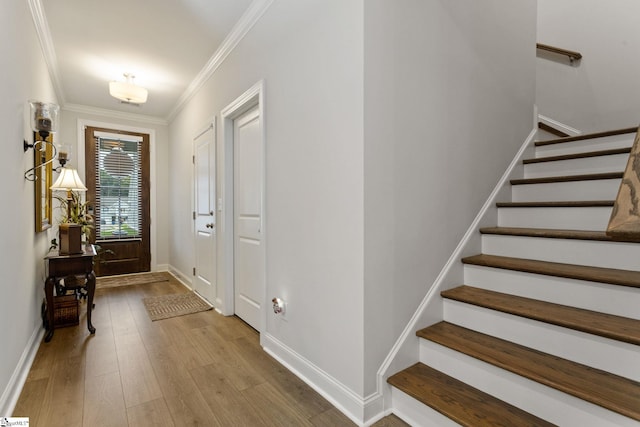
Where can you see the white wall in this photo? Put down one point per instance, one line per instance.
(309, 54)
(160, 169)
(600, 92)
(24, 76)
(449, 94)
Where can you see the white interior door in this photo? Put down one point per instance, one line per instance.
(249, 280)
(205, 215)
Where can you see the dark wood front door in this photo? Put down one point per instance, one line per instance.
(117, 165)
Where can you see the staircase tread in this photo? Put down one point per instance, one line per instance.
(567, 178)
(586, 136)
(551, 233)
(592, 322)
(611, 276)
(584, 155)
(558, 204)
(461, 402)
(599, 387)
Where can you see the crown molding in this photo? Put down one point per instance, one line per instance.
(46, 43)
(253, 13)
(121, 115)
(237, 33)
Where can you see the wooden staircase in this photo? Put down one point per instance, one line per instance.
(545, 329)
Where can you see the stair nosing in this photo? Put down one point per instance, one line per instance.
(584, 155)
(612, 276)
(564, 375)
(594, 135)
(567, 178)
(465, 396)
(591, 322)
(558, 204)
(551, 233)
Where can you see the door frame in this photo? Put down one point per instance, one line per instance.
(80, 164)
(254, 96)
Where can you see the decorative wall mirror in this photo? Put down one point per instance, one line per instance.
(43, 180)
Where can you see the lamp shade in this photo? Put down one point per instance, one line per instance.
(127, 91)
(68, 180)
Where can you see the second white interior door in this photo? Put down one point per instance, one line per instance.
(249, 280)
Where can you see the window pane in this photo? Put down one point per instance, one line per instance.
(118, 189)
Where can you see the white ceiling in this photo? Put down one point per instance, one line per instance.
(167, 44)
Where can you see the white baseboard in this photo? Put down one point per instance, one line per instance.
(11, 393)
(362, 411)
(181, 277)
(161, 267)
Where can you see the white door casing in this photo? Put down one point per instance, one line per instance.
(205, 231)
(248, 245)
(251, 98)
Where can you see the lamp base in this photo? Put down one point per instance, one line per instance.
(70, 239)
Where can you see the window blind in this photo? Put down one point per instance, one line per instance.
(118, 203)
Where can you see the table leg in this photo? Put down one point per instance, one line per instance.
(48, 291)
(91, 290)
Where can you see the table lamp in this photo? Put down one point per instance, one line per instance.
(70, 233)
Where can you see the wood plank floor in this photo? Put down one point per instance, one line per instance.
(202, 369)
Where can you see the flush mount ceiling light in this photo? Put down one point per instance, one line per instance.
(127, 91)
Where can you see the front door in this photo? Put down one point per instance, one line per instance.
(249, 280)
(204, 215)
(117, 174)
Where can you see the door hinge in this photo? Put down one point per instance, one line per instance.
(194, 215)
(194, 271)
(193, 159)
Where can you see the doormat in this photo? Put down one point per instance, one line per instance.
(133, 279)
(166, 306)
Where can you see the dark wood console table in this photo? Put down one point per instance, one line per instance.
(69, 272)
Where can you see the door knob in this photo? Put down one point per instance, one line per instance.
(209, 225)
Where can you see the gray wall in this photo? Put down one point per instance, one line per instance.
(388, 123)
(309, 54)
(600, 92)
(449, 93)
(24, 77)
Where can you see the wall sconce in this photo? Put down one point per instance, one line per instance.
(44, 121)
(64, 156)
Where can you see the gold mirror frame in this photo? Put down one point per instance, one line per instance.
(43, 180)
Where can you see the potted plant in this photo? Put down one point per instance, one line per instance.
(74, 211)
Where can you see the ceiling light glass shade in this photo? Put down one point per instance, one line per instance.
(68, 180)
(127, 91)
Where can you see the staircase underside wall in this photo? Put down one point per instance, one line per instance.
(449, 95)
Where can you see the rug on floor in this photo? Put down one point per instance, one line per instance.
(133, 279)
(166, 306)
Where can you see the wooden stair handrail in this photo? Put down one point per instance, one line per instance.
(573, 56)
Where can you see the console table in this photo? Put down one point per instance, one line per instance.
(76, 273)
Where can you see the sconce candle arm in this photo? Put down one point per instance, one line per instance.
(30, 174)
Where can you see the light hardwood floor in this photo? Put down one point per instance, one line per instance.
(202, 369)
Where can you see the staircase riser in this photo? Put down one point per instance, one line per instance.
(602, 353)
(544, 402)
(606, 254)
(605, 189)
(574, 147)
(417, 414)
(601, 164)
(589, 218)
(617, 300)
